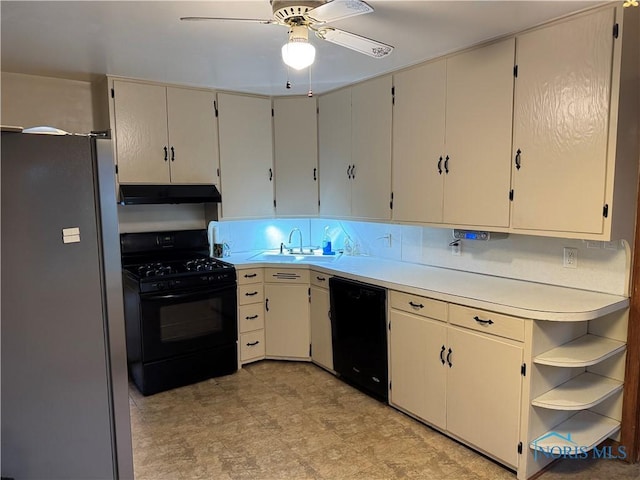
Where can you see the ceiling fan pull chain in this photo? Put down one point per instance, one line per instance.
(310, 92)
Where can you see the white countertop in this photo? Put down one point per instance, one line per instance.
(512, 297)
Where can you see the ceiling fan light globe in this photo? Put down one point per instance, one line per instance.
(298, 55)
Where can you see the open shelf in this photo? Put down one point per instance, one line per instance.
(584, 391)
(583, 431)
(581, 352)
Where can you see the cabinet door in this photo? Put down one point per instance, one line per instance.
(246, 156)
(193, 136)
(418, 143)
(478, 136)
(295, 128)
(141, 132)
(561, 123)
(484, 391)
(371, 149)
(418, 376)
(287, 321)
(334, 147)
(321, 349)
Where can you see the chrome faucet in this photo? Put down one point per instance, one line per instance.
(296, 229)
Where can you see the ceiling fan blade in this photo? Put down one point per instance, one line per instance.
(355, 42)
(225, 19)
(338, 9)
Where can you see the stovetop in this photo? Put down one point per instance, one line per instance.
(172, 260)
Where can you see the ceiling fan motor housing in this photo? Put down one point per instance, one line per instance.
(293, 12)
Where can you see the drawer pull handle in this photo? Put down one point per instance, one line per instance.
(253, 317)
(250, 294)
(250, 275)
(355, 369)
(253, 344)
(416, 305)
(266, 304)
(449, 358)
(321, 279)
(484, 322)
(442, 354)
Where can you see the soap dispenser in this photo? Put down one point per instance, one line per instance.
(326, 242)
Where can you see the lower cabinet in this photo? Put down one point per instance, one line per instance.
(321, 348)
(251, 314)
(287, 327)
(451, 367)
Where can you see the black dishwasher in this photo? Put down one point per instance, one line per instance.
(359, 335)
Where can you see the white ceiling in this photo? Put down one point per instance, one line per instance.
(145, 39)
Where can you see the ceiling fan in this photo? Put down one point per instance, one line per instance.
(302, 16)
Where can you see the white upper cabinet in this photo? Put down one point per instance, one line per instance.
(355, 151)
(295, 131)
(334, 149)
(565, 119)
(458, 174)
(371, 149)
(418, 143)
(164, 134)
(193, 136)
(246, 156)
(478, 136)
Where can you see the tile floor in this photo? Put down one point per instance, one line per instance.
(292, 420)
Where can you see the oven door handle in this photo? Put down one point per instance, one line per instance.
(186, 295)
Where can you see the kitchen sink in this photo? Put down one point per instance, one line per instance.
(277, 257)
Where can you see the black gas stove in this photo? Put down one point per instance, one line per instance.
(180, 310)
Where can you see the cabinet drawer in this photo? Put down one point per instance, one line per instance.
(251, 317)
(286, 275)
(425, 307)
(251, 345)
(250, 275)
(320, 279)
(252, 293)
(489, 322)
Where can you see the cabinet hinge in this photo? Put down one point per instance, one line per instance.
(309, 293)
(515, 71)
(511, 195)
(218, 171)
(113, 93)
(215, 107)
(274, 203)
(116, 169)
(520, 448)
(391, 202)
(310, 350)
(523, 370)
(616, 30)
(389, 385)
(605, 210)
(272, 113)
(389, 326)
(317, 110)
(393, 95)
(318, 203)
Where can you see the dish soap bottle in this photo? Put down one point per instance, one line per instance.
(326, 242)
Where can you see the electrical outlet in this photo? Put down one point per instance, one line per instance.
(570, 259)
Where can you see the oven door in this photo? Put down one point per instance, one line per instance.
(177, 323)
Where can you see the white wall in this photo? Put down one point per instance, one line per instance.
(30, 100)
(537, 259)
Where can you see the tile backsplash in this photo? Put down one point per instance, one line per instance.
(601, 267)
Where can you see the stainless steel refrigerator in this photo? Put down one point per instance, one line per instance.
(64, 405)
